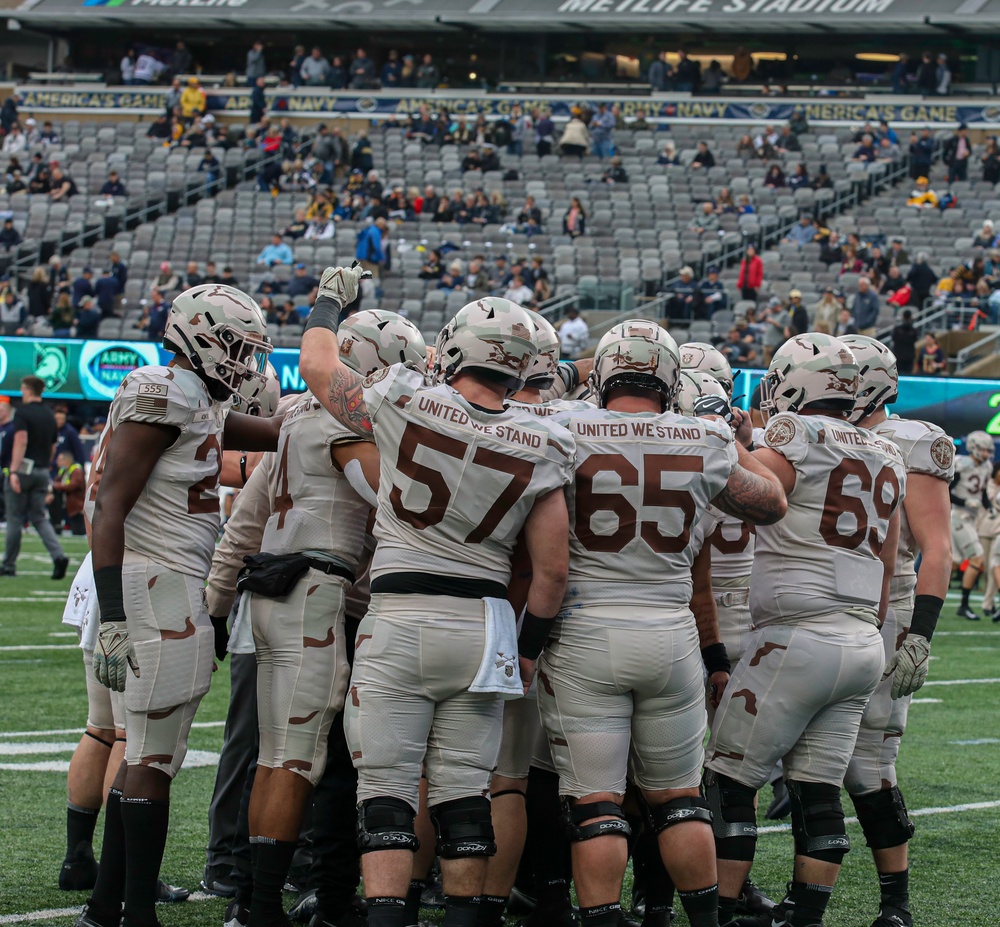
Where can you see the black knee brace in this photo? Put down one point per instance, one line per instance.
(734, 818)
(464, 828)
(580, 823)
(677, 811)
(386, 824)
(818, 821)
(882, 816)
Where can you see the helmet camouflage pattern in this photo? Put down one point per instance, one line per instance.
(640, 353)
(878, 378)
(980, 446)
(545, 367)
(699, 355)
(807, 369)
(376, 338)
(693, 385)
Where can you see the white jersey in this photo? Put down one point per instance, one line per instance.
(549, 407)
(315, 507)
(175, 520)
(643, 480)
(822, 558)
(733, 545)
(456, 483)
(972, 480)
(925, 448)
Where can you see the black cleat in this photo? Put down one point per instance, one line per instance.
(658, 918)
(781, 804)
(352, 917)
(59, 566)
(92, 917)
(893, 917)
(236, 915)
(79, 871)
(520, 904)
(8, 571)
(170, 894)
(304, 908)
(753, 901)
(996, 615)
(218, 887)
(557, 915)
(967, 613)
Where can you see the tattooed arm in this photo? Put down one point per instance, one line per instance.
(756, 491)
(333, 384)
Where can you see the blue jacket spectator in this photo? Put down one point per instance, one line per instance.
(713, 292)
(88, 317)
(392, 71)
(803, 233)
(119, 270)
(865, 307)
(113, 186)
(275, 253)
(106, 289)
(159, 309)
(369, 246)
(83, 286)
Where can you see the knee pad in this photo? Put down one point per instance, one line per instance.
(883, 818)
(818, 821)
(580, 823)
(464, 828)
(386, 824)
(733, 816)
(678, 811)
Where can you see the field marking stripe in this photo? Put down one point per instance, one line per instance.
(9, 648)
(959, 682)
(79, 730)
(53, 913)
(918, 813)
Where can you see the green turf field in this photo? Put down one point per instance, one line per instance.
(950, 759)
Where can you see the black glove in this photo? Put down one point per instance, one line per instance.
(220, 624)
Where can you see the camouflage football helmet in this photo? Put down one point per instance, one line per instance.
(811, 369)
(699, 355)
(545, 367)
(223, 333)
(639, 353)
(878, 378)
(490, 335)
(695, 384)
(266, 403)
(377, 338)
(980, 446)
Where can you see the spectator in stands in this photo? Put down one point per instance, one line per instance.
(724, 202)
(705, 221)
(167, 281)
(88, 318)
(686, 301)
(601, 128)
(831, 251)
(14, 142)
(886, 151)
(876, 264)
(392, 71)
(193, 100)
(990, 159)
(898, 255)
(258, 101)
(703, 157)
(228, 279)
(765, 143)
(985, 237)
(799, 179)
(13, 314)
(751, 275)
(428, 76)
(302, 282)
(922, 196)
(956, 153)
(545, 133)
(776, 332)
(159, 128)
(865, 307)
(775, 177)
(172, 98)
(106, 291)
(745, 148)
(866, 151)
(519, 292)
(616, 173)
(39, 293)
(736, 350)
(927, 80)
(575, 138)
(113, 186)
(742, 66)
(192, 277)
(127, 67)
(256, 65)
(180, 60)
(943, 74)
(904, 340)
(575, 220)
(10, 237)
(931, 359)
(156, 319)
(851, 263)
(901, 77)
(713, 292)
(892, 282)
(845, 323)
(371, 250)
(210, 167)
(83, 286)
(822, 180)
(48, 136)
(922, 279)
(529, 213)
(361, 157)
(16, 184)
(362, 71)
(338, 73)
(574, 335)
(803, 233)
(788, 141)
(295, 66)
(799, 316)
(119, 270)
(277, 252)
(826, 310)
(687, 74)
(659, 73)
(668, 157)
(315, 69)
(921, 153)
(63, 315)
(745, 207)
(713, 79)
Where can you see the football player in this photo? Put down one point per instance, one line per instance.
(155, 517)
(317, 528)
(916, 601)
(621, 679)
(968, 498)
(460, 478)
(703, 358)
(819, 590)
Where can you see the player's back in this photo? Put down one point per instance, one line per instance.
(925, 448)
(642, 482)
(315, 507)
(175, 520)
(456, 482)
(972, 478)
(822, 558)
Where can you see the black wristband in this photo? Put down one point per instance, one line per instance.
(108, 584)
(573, 380)
(325, 314)
(534, 634)
(926, 610)
(715, 658)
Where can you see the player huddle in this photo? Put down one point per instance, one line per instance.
(478, 577)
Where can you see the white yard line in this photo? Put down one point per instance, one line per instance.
(59, 913)
(79, 730)
(918, 813)
(23, 647)
(959, 682)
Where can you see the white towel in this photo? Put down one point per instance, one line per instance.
(499, 672)
(241, 636)
(81, 605)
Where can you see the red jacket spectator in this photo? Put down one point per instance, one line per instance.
(751, 274)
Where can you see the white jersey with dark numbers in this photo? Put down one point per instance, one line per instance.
(456, 483)
(315, 507)
(643, 481)
(703, 530)
(925, 448)
(822, 558)
(733, 545)
(175, 520)
(972, 479)
(550, 407)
